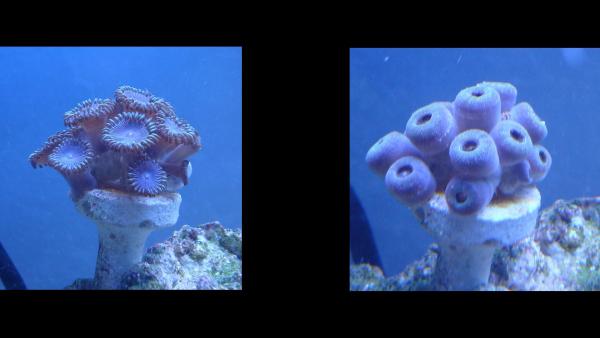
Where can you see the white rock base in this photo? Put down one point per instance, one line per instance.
(124, 222)
(461, 268)
(467, 243)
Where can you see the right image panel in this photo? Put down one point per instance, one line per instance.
(474, 169)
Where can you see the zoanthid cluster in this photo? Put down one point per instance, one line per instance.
(479, 147)
(134, 144)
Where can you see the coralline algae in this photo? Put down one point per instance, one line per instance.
(563, 254)
(205, 257)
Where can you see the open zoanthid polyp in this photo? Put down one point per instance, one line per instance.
(124, 160)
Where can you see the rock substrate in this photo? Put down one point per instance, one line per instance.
(206, 257)
(563, 254)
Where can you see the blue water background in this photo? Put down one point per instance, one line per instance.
(387, 85)
(49, 241)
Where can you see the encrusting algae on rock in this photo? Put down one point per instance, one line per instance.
(562, 254)
(205, 257)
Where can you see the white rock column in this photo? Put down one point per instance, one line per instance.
(124, 222)
(467, 243)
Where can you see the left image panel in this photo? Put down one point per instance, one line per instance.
(98, 145)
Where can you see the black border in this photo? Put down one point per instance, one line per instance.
(295, 176)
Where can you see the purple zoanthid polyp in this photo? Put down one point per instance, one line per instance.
(469, 167)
